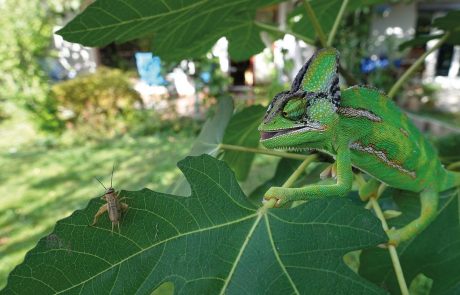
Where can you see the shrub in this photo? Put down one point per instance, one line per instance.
(102, 104)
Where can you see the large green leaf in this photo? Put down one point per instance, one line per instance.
(207, 142)
(242, 131)
(181, 29)
(433, 253)
(214, 241)
(449, 22)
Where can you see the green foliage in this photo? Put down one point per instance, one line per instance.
(184, 29)
(437, 258)
(448, 23)
(208, 140)
(206, 243)
(242, 131)
(448, 148)
(326, 12)
(217, 240)
(97, 105)
(25, 30)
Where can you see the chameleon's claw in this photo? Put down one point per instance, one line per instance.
(273, 194)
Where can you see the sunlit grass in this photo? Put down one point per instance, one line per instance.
(39, 187)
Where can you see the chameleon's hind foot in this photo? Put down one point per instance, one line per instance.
(394, 236)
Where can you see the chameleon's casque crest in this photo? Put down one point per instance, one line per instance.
(320, 75)
(317, 79)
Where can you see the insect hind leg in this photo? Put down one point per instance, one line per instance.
(99, 212)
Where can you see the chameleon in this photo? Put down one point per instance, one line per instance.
(359, 127)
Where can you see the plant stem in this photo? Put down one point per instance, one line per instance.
(411, 70)
(338, 19)
(393, 254)
(263, 151)
(294, 176)
(278, 30)
(314, 20)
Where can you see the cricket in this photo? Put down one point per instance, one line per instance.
(114, 207)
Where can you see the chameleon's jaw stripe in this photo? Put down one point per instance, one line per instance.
(264, 135)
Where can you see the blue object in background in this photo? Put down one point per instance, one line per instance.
(206, 77)
(149, 68)
(369, 65)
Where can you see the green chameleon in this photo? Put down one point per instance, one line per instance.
(360, 127)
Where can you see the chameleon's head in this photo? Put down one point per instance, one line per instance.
(305, 115)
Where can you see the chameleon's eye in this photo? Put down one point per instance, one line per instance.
(295, 109)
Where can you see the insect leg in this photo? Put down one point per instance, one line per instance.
(99, 212)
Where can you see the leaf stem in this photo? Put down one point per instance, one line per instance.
(278, 30)
(411, 70)
(262, 151)
(338, 19)
(393, 254)
(314, 20)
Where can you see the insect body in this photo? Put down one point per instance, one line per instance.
(359, 127)
(114, 206)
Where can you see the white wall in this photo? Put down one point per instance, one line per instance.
(397, 21)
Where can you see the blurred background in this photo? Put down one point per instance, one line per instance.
(69, 112)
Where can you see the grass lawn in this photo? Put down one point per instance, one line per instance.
(40, 186)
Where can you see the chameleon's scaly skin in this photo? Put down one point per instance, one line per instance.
(360, 127)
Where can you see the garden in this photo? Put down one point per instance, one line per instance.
(229, 147)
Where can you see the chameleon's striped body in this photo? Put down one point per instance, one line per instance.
(360, 127)
(385, 143)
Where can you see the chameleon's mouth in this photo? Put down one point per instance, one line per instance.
(270, 134)
(264, 135)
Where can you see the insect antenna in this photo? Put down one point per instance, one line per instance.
(100, 183)
(111, 178)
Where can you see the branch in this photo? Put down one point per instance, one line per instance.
(411, 70)
(314, 20)
(338, 19)
(393, 254)
(278, 30)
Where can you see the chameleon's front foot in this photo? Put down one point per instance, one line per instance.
(278, 194)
